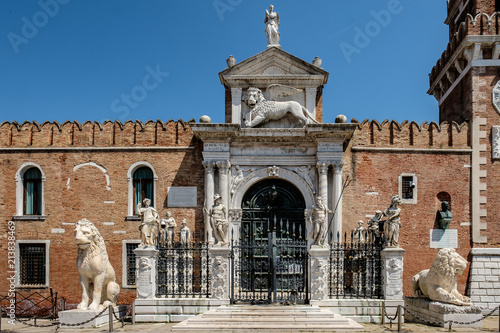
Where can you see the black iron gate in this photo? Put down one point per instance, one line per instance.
(269, 258)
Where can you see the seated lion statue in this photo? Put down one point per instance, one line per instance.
(264, 111)
(440, 282)
(97, 277)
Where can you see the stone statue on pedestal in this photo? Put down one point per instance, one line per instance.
(170, 225)
(218, 220)
(184, 234)
(373, 224)
(150, 223)
(444, 216)
(393, 223)
(318, 220)
(97, 276)
(359, 233)
(272, 22)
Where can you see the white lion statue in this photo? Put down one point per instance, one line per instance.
(440, 282)
(263, 111)
(97, 277)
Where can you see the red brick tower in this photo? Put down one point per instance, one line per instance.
(465, 81)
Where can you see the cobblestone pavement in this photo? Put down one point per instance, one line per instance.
(490, 324)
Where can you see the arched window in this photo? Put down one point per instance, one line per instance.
(141, 179)
(32, 185)
(30, 204)
(143, 186)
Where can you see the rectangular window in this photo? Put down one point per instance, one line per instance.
(32, 264)
(129, 263)
(408, 188)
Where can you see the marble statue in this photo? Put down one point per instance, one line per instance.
(318, 220)
(373, 224)
(272, 22)
(162, 234)
(444, 216)
(218, 220)
(184, 233)
(439, 283)
(97, 276)
(359, 233)
(237, 179)
(170, 225)
(263, 111)
(230, 61)
(150, 223)
(393, 223)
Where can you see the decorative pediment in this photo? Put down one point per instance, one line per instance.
(273, 66)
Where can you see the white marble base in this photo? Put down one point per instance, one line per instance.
(78, 316)
(441, 312)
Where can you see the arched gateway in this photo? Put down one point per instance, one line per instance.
(270, 256)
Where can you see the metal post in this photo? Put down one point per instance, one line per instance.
(110, 310)
(383, 313)
(399, 318)
(63, 305)
(133, 312)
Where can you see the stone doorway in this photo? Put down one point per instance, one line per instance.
(270, 258)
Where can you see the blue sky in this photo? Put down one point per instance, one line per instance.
(80, 59)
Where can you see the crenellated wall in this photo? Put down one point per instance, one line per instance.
(95, 134)
(411, 134)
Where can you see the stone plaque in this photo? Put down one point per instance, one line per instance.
(330, 147)
(443, 238)
(182, 196)
(214, 146)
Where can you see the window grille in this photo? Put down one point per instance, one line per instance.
(130, 262)
(406, 188)
(32, 264)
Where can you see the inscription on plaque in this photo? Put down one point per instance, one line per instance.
(182, 196)
(215, 147)
(335, 147)
(440, 238)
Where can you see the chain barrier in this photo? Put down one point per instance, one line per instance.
(122, 319)
(57, 323)
(440, 323)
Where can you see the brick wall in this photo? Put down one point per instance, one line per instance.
(171, 148)
(407, 148)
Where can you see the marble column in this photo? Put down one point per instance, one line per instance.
(224, 181)
(209, 198)
(323, 180)
(337, 201)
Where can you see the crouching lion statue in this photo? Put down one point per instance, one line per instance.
(440, 282)
(264, 111)
(97, 277)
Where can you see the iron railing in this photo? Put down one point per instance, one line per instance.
(183, 270)
(270, 267)
(356, 267)
(31, 304)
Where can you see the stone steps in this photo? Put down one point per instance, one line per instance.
(268, 318)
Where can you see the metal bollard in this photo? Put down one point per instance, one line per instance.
(399, 318)
(383, 312)
(110, 310)
(133, 312)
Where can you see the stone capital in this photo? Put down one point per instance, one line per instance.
(337, 167)
(322, 166)
(209, 166)
(223, 166)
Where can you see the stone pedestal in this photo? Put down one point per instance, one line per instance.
(392, 278)
(220, 268)
(392, 273)
(439, 313)
(145, 273)
(71, 317)
(319, 272)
